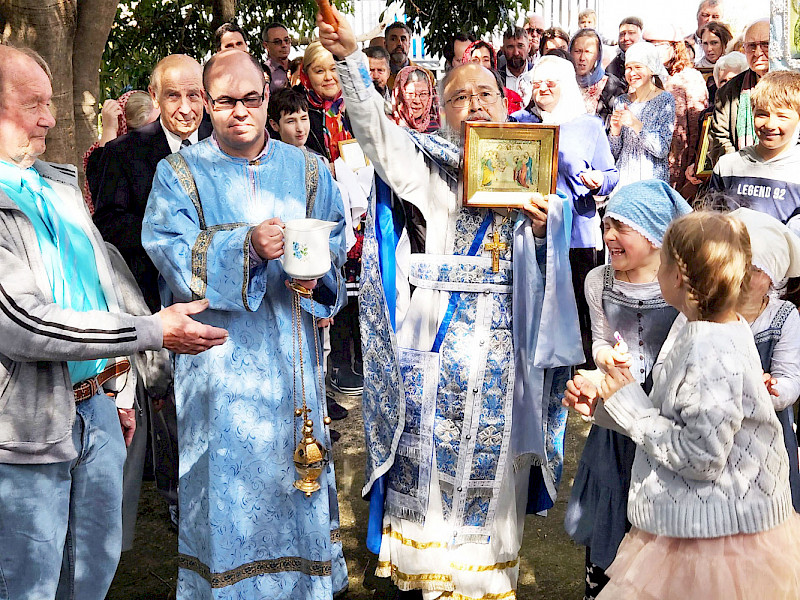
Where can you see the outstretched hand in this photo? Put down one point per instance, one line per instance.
(581, 396)
(340, 41)
(184, 335)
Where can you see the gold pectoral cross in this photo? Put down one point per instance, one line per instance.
(495, 247)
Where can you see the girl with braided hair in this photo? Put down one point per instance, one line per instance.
(709, 501)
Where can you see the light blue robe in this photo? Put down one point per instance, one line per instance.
(245, 531)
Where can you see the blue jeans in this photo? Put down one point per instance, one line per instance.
(61, 523)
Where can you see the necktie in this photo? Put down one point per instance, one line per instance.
(185, 143)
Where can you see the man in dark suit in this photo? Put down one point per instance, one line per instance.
(127, 170)
(129, 163)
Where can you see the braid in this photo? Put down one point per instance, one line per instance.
(712, 253)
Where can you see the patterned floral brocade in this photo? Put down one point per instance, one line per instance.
(458, 401)
(245, 531)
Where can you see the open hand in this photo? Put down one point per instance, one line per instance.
(581, 396)
(592, 179)
(184, 335)
(340, 42)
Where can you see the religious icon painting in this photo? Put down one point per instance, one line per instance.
(505, 162)
(703, 165)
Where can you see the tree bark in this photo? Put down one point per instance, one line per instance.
(48, 26)
(95, 18)
(222, 11)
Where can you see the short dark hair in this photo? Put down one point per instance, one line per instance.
(450, 48)
(210, 63)
(560, 53)
(272, 25)
(515, 33)
(632, 21)
(222, 30)
(286, 102)
(396, 25)
(377, 52)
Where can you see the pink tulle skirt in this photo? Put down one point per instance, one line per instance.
(763, 566)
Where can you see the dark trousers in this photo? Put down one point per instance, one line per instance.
(583, 260)
(346, 338)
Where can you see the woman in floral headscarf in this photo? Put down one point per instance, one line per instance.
(130, 111)
(329, 123)
(485, 54)
(415, 103)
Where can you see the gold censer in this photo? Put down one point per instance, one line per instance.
(310, 455)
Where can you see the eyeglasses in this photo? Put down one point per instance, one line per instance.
(549, 84)
(485, 98)
(421, 95)
(281, 42)
(751, 46)
(228, 103)
(532, 30)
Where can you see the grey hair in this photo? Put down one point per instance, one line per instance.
(733, 61)
(708, 3)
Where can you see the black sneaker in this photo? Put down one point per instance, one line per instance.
(335, 435)
(336, 411)
(345, 381)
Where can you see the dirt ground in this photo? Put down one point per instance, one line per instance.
(551, 565)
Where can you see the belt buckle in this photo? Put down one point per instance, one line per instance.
(85, 389)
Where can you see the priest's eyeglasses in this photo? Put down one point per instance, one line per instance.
(228, 103)
(485, 98)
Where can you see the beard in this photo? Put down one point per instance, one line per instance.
(516, 62)
(449, 134)
(398, 58)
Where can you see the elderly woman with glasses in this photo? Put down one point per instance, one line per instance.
(640, 128)
(415, 103)
(585, 166)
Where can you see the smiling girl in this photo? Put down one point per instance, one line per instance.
(623, 297)
(640, 128)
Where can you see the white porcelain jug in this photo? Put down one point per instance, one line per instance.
(306, 248)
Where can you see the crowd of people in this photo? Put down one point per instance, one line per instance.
(148, 317)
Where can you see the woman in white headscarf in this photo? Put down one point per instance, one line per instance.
(585, 165)
(641, 126)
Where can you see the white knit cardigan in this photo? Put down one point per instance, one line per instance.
(710, 459)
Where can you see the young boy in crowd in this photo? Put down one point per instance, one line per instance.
(766, 176)
(288, 117)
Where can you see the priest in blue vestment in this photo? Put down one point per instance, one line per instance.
(213, 229)
(467, 347)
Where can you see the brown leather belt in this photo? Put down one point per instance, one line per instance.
(88, 387)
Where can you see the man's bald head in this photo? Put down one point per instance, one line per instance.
(229, 61)
(25, 113)
(176, 86)
(174, 62)
(471, 92)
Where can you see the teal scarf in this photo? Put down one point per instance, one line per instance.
(67, 251)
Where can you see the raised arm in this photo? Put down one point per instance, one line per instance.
(397, 159)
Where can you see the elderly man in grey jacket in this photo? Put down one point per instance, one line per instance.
(63, 321)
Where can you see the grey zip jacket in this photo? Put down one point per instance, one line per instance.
(37, 337)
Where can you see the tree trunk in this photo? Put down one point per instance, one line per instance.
(48, 26)
(223, 11)
(95, 18)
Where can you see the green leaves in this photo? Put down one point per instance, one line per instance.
(145, 31)
(443, 18)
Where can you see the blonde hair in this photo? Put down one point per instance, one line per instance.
(777, 89)
(314, 52)
(138, 109)
(712, 253)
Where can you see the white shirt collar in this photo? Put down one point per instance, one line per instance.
(174, 141)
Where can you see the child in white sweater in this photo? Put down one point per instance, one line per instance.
(709, 499)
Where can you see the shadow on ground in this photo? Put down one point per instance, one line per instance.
(551, 565)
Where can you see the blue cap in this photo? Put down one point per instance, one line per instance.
(648, 207)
